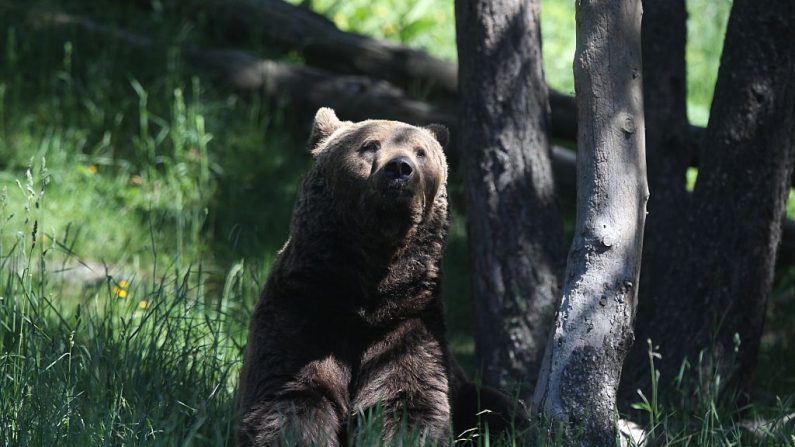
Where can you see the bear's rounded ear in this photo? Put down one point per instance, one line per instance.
(439, 132)
(326, 122)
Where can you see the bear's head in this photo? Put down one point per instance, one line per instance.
(386, 176)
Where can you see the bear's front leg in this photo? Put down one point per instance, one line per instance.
(417, 417)
(298, 419)
(306, 409)
(406, 376)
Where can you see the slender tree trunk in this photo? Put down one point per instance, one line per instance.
(593, 329)
(669, 150)
(515, 228)
(716, 286)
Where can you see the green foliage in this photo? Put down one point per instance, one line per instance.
(430, 25)
(706, 25)
(426, 24)
(557, 43)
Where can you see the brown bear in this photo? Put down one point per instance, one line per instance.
(350, 318)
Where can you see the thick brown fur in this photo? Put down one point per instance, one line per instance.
(351, 316)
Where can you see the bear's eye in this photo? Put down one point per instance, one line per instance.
(370, 146)
(420, 153)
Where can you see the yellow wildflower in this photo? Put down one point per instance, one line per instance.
(143, 304)
(92, 169)
(118, 291)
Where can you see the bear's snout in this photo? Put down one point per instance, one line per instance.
(398, 178)
(400, 169)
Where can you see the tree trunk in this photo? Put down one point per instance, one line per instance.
(514, 225)
(576, 390)
(669, 149)
(716, 286)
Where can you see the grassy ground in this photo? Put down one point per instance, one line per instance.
(140, 208)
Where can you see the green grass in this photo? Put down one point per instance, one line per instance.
(141, 206)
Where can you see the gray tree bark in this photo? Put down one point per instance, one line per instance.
(576, 391)
(514, 225)
(714, 291)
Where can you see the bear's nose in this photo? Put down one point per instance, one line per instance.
(399, 169)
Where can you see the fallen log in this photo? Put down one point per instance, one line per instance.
(326, 46)
(354, 97)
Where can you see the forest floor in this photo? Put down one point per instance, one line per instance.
(141, 207)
